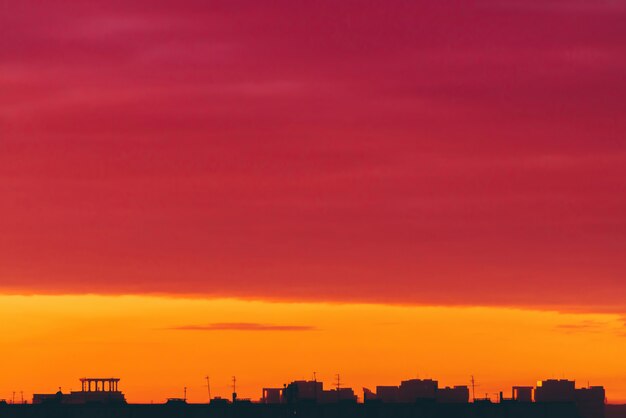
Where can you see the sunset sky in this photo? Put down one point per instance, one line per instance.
(381, 189)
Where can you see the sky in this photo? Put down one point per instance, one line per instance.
(397, 158)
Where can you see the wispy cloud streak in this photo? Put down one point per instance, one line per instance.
(243, 326)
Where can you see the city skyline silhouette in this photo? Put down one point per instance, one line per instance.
(555, 398)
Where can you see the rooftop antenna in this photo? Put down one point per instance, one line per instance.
(234, 389)
(185, 393)
(315, 376)
(22, 395)
(208, 386)
(473, 388)
(338, 384)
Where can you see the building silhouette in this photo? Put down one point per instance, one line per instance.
(93, 390)
(589, 401)
(307, 391)
(456, 394)
(522, 393)
(418, 390)
(553, 390)
(417, 398)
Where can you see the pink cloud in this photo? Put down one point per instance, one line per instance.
(410, 153)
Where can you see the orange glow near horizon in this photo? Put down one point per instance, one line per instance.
(159, 345)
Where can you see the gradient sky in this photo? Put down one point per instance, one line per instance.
(447, 153)
(160, 345)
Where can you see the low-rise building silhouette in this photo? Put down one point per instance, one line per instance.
(338, 395)
(414, 390)
(418, 390)
(456, 394)
(591, 401)
(303, 391)
(272, 395)
(523, 393)
(553, 390)
(310, 391)
(93, 390)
